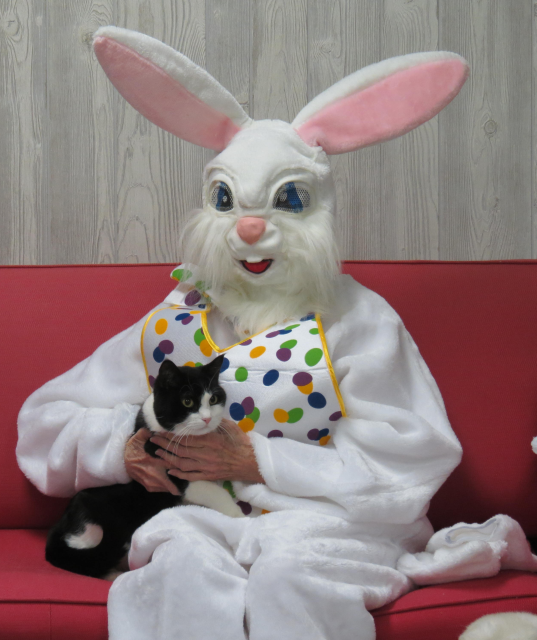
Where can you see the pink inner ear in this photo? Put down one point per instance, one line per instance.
(387, 109)
(161, 99)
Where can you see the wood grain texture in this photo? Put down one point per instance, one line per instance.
(343, 37)
(485, 136)
(409, 165)
(24, 210)
(85, 178)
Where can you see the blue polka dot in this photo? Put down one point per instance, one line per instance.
(310, 316)
(284, 331)
(182, 316)
(225, 365)
(158, 356)
(316, 400)
(201, 306)
(270, 377)
(323, 433)
(236, 411)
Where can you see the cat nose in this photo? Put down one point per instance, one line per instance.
(206, 420)
(250, 229)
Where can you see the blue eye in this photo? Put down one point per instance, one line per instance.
(221, 197)
(291, 198)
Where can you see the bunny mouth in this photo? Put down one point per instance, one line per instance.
(256, 267)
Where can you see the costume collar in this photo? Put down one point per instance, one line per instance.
(191, 290)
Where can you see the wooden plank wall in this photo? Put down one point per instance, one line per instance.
(85, 179)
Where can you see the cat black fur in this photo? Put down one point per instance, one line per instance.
(120, 509)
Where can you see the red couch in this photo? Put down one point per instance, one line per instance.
(476, 326)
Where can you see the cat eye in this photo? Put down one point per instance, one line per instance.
(221, 197)
(188, 403)
(213, 400)
(291, 197)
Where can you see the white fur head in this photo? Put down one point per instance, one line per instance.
(264, 262)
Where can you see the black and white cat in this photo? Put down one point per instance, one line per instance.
(94, 534)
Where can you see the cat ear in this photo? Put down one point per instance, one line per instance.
(213, 367)
(167, 374)
(381, 101)
(168, 88)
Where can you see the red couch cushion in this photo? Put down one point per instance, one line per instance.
(475, 324)
(38, 601)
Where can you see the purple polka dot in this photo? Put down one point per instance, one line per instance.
(246, 343)
(302, 378)
(166, 346)
(152, 381)
(248, 405)
(283, 354)
(313, 434)
(246, 507)
(188, 320)
(335, 416)
(192, 297)
(273, 334)
(275, 433)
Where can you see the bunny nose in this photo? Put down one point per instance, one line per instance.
(251, 229)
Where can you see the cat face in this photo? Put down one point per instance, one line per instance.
(186, 400)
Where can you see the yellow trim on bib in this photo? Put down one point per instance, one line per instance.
(213, 345)
(174, 306)
(329, 364)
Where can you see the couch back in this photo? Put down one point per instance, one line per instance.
(475, 324)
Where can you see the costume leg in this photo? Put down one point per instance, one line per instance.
(321, 589)
(185, 582)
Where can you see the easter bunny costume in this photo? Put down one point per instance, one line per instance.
(347, 424)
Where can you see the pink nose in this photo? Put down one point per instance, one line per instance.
(251, 229)
(206, 420)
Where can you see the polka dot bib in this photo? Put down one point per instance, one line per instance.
(279, 382)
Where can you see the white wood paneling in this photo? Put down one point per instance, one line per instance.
(84, 178)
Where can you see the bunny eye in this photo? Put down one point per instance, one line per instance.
(221, 197)
(289, 197)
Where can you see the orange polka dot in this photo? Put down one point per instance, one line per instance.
(205, 348)
(161, 326)
(281, 416)
(257, 351)
(246, 424)
(324, 440)
(306, 389)
(189, 364)
(263, 511)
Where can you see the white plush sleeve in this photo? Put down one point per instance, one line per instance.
(393, 451)
(72, 431)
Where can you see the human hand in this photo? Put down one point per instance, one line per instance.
(224, 454)
(148, 471)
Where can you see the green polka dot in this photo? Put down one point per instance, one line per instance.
(198, 364)
(254, 415)
(199, 337)
(295, 415)
(200, 285)
(241, 374)
(229, 487)
(314, 332)
(313, 356)
(182, 274)
(288, 345)
(291, 327)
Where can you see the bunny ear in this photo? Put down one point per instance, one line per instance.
(168, 88)
(382, 101)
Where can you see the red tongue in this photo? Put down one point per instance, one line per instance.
(257, 267)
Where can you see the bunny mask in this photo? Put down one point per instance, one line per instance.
(264, 238)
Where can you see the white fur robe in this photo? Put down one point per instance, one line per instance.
(341, 516)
